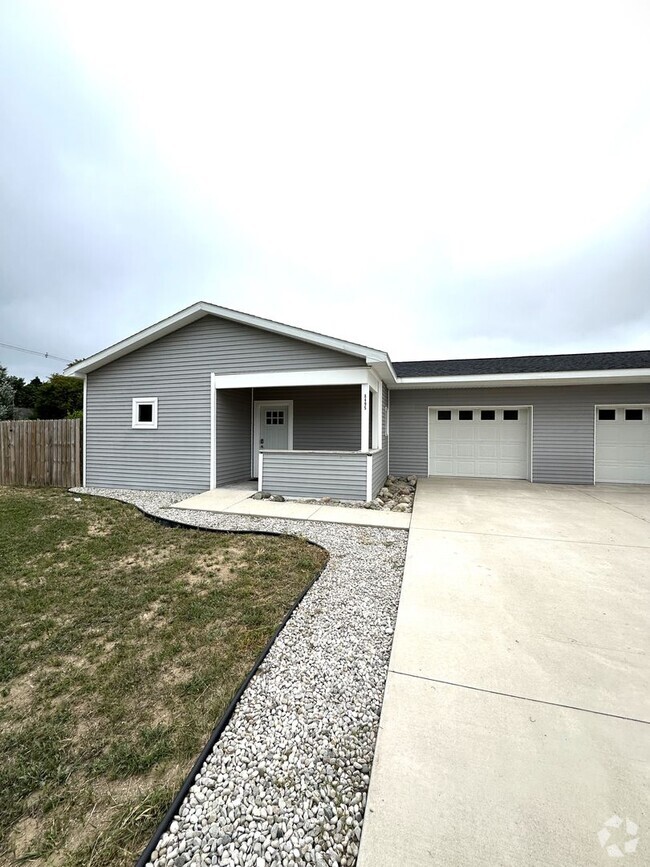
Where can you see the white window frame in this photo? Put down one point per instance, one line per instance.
(144, 425)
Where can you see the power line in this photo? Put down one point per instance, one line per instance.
(35, 352)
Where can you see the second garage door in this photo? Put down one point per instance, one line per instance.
(623, 444)
(484, 442)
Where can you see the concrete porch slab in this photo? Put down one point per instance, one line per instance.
(216, 500)
(236, 501)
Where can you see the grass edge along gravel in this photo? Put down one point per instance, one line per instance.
(56, 551)
(286, 783)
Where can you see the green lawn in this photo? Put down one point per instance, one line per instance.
(121, 644)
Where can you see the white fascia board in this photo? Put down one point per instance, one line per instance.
(385, 371)
(135, 341)
(572, 377)
(203, 308)
(286, 378)
(84, 445)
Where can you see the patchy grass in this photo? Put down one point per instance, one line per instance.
(121, 644)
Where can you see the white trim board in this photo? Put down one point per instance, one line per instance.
(289, 378)
(572, 377)
(85, 436)
(213, 434)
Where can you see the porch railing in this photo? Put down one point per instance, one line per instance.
(341, 475)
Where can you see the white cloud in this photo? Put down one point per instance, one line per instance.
(374, 169)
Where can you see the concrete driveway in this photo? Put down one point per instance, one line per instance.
(516, 718)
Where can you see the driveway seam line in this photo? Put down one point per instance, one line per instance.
(531, 538)
(620, 508)
(520, 697)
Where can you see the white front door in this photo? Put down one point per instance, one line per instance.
(273, 428)
(484, 442)
(623, 444)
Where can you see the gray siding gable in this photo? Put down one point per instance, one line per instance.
(176, 369)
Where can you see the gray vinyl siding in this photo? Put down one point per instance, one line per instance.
(176, 369)
(563, 424)
(304, 474)
(380, 459)
(233, 425)
(324, 417)
(379, 471)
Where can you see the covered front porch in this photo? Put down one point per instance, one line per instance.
(301, 433)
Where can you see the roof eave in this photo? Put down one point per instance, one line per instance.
(573, 377)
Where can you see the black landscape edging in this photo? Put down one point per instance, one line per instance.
(225, 719)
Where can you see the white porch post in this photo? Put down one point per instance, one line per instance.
(365, 415)
(213, 432)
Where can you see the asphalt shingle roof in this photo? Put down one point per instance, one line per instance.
(526, 364)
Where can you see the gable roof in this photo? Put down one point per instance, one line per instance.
(518, 370)
(204, 308)
(575, 362)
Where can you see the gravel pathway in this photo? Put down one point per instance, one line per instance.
(286, 783)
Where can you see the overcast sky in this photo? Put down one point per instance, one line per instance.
(444, 179)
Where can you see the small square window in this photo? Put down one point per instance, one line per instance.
(511, 415)
(444, 415)
(606, 415)
(488, 415)
(145, 413)
(465, 414)
(633, 415)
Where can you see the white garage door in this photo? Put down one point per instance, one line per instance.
(491, 443)
(623, 444)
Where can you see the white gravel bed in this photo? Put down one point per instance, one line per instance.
(286, 783)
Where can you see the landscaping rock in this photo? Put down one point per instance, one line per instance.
(396, 491)
(287, 781)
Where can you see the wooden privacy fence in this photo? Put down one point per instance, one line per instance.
(44, 452)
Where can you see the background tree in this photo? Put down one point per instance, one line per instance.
(60, 397)
(26, 392)
(6, 395)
